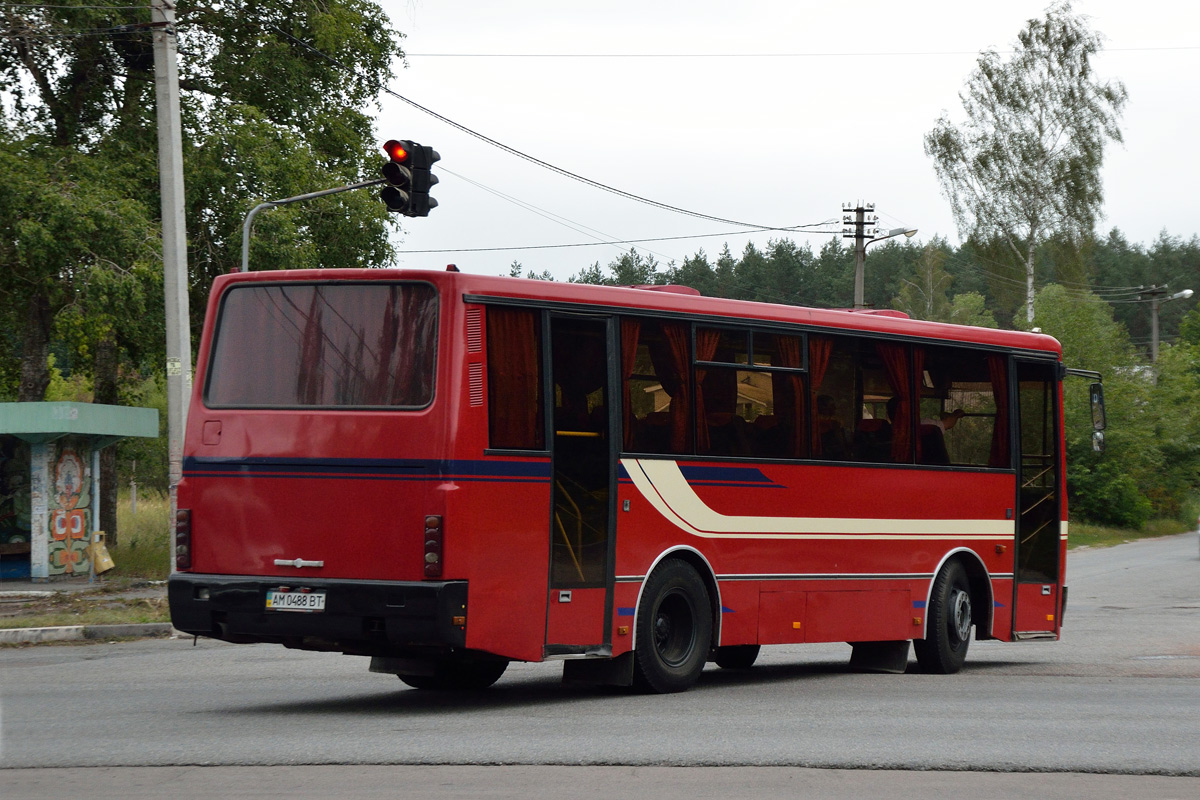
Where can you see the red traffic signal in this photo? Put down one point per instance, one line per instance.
(409, 177)
(396, 151)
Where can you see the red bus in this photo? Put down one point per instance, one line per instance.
(448, 472)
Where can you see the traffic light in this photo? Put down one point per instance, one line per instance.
(409, 175)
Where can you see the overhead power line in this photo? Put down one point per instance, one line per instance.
(587, 244)
(545, 164)
(845, 54)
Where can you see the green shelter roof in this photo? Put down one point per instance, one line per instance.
(44, 422)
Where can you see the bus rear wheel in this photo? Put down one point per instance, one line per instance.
(948, 623)
(458, 675)
(674, 629)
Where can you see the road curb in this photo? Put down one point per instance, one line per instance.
(72, 633)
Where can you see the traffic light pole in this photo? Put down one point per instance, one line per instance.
(287, 201)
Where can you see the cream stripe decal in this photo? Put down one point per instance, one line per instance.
(663, 485)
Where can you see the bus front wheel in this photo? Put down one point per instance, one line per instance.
(674, 629)
(948, 623)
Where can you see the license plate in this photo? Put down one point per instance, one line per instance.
(295, 601)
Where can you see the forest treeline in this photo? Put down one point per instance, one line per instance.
(1091, 297)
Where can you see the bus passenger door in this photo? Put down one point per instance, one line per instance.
(1036, 600)
(579, 609)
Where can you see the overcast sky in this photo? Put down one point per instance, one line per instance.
(798, 107)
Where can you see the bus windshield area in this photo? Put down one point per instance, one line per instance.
(331, 345)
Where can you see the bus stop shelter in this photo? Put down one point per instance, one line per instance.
(50, 479)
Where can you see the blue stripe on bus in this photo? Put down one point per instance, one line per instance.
(368, 469)
(725, 476)
(625, 611)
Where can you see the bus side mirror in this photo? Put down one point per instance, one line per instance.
(1099, 422)
(1098, 441)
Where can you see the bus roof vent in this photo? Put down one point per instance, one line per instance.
(878, 312)
(673, 289)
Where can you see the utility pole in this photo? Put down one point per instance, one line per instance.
(174, 234)
(1157, 295)
(863, 216)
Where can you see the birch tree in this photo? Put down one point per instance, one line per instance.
(1025, 164)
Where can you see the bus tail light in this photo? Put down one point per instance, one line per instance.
(433, 546)
(183, 538)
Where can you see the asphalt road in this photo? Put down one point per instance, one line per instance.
(1119, 695)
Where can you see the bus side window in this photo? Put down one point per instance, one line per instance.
(656, 386)
(964, 408)
(514, 369)
(832, 375)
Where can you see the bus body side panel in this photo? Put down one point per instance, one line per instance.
(499, 524)
(818, 552)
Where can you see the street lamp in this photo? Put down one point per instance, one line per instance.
(862, 237)
(1158, 296)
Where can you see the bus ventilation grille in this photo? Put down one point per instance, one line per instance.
(474, 330)
(475, 381)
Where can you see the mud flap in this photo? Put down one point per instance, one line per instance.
(605, 671)
(879, 656)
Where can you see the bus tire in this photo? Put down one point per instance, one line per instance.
(948, 623)
(741, 656)
(674, 629)
(458, 675)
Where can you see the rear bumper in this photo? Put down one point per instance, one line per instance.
(360, 617)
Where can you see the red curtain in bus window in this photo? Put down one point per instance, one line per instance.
(514, 379)
(789, 394)
(706, 347)
(819, 350)
(895, 367)
(672, 366)
(630, 328)
(918, 358)
(999, 456)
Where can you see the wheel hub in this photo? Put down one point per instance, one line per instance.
(673, 629)
(960, 615)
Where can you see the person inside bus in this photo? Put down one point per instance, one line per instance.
(833, 435)
(933, 436)
(873, 439)
(726, 430)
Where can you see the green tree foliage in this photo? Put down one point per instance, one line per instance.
(266, 115)
(1112, 487)
(71, 236)
(629, 269)
(1025, 165)
(970, 308)
(925, 295)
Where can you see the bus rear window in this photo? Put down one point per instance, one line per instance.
(325, 345)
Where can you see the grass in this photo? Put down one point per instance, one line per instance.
(86, 608)
(144, 548)
(1084, 535)
(123, 595)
